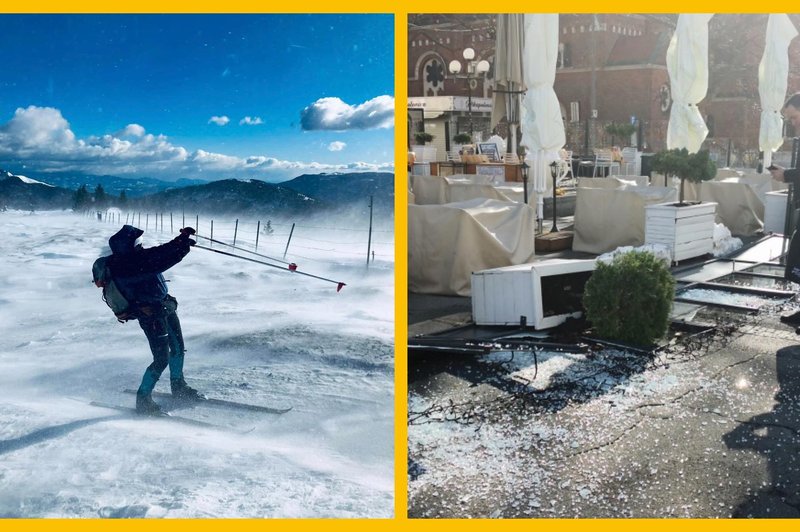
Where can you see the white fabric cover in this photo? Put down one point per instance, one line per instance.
(446, 243)
(542, 126)
(687, 64)
(773, 72)
(436, 190)
(738, 206)
(607, 218)
(740, 200)
(612, 182)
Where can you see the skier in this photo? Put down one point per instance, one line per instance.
(137, 271)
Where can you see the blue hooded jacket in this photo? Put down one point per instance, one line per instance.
(138, 271)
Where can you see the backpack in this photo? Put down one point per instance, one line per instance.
(111, 294)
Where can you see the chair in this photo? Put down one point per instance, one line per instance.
(565, 169)
(603, 159)
(453, 157)
(585, 164)
(629, 161)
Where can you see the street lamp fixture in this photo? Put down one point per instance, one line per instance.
(554, 171)
(475, 69)
(525, 181)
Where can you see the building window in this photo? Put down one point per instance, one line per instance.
(710, 125)
(564, 60)
(574, 111)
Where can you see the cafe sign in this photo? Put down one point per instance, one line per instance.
(441, 104)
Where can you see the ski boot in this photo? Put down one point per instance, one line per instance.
(183, 392)
(145, 406)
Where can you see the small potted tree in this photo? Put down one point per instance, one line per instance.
(423, 153)
(686, 227)
(423, 137)
(460, 140)
(678, 162)
(623, 131)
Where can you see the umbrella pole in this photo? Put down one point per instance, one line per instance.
(513, 135)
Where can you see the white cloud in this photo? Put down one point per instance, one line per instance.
(131, 130)
(219, 120)
(334, 114)
(250, 121)
(36, 127)
(41, 139)
(336, 146)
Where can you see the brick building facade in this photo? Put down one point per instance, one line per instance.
(612, 64)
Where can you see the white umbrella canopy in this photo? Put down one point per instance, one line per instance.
(687, 64)
(773, 72)
(541, 123)
(508, 72)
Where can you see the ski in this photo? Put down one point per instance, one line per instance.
(165, 415)
(221, 402)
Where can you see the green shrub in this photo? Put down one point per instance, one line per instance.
(630, 299)
(462, 138)
(622, 130)
(423, 138)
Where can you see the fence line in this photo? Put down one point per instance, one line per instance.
(258, 233)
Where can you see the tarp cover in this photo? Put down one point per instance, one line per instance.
(607, 218)
(446, 243)
(435, 190)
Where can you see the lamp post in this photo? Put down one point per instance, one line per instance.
(475, 69)
(554, 171)
(525, 181)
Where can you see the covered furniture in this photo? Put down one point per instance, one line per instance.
(446, 243)
(607, 218)
(740, 200)
(435, 190)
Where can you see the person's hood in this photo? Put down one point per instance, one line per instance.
(124, 240)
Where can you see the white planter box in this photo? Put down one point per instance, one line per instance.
(688, 231)
(546, 293)
(424, 154)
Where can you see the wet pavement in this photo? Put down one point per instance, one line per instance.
(708, 426)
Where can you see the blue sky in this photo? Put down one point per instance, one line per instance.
(202, 96)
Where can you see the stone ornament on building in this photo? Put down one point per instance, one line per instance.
(665, 97)
(434, 77)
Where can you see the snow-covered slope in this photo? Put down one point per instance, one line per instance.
(253, 334)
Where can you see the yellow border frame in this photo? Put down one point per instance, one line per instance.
(400, 11)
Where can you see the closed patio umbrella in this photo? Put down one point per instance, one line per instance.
(773, 72)
(540, 120)
(508, 86)
(687, 64)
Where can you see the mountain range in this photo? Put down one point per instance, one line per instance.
(306, 194)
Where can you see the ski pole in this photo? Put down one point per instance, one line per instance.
(241, 249)
(291, 268)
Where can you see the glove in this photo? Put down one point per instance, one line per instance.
(186, 232)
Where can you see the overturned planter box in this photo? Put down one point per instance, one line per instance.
(541, 294)
(687, 230)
